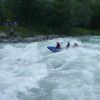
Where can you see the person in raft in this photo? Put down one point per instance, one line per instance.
(75, 45)
(68, 44)
(58, 46)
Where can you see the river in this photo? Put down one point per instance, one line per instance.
(29, 71)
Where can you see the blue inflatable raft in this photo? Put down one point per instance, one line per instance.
(53, 49)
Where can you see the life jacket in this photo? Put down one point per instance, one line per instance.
(58, 46)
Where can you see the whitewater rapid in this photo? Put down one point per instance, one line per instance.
(29, 71)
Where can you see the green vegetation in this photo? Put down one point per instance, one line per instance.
(22, 31)
(51, 16)
(84, 32)
(27, 32)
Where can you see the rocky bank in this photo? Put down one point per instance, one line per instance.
(16, 38)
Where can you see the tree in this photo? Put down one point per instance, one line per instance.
(95, 20)
(81, 12)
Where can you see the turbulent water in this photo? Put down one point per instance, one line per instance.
(29, 71)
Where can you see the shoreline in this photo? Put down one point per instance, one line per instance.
(16, 36)
(35, 38)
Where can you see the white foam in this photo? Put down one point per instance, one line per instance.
(20, 70)
(32, 71)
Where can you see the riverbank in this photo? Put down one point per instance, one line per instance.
(84, 32)
(19, 34)
(28, 39)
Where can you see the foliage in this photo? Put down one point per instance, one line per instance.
(56, 15)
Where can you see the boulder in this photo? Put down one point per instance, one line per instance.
(3, 35)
